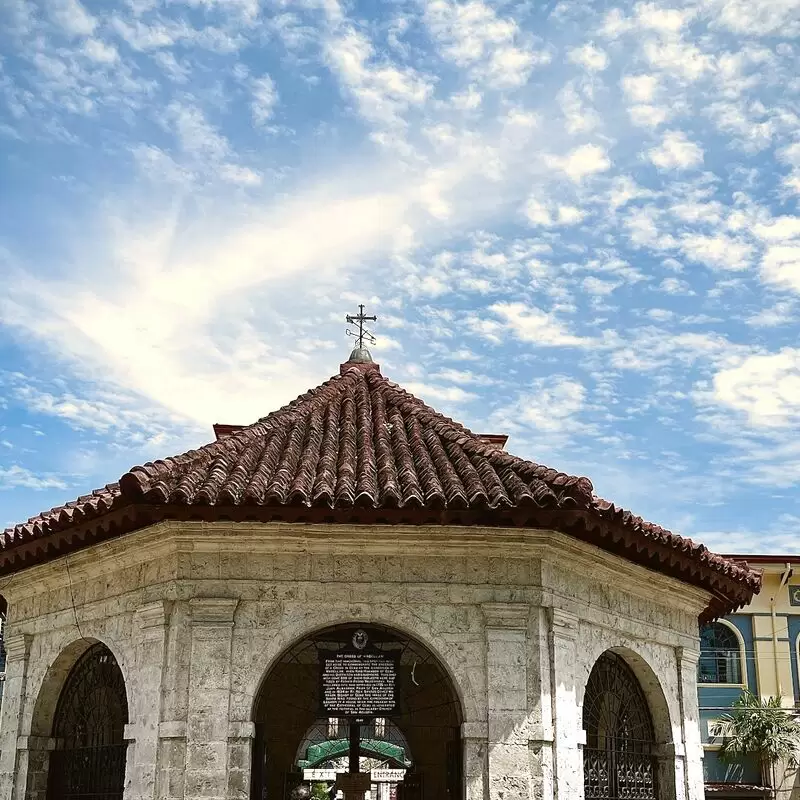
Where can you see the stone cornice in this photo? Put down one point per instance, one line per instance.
(168, 538)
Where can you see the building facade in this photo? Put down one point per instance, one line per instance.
(757, 648)
(166, 633)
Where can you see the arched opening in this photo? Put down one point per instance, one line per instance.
(619, 759)
(88, 728)
(412, 752)
(721, 654)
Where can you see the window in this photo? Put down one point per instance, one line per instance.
(720, 655)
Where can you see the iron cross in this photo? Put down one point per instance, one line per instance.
(359, 319)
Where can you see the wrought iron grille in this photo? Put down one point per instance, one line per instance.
(89, 723)
(618, 760)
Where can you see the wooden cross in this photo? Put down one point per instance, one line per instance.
(359, 319)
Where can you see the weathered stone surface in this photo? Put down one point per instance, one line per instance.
(196, 614)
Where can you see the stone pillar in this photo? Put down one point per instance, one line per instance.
(240, 749)
(476, 751)
(209, 698)
(569, 735)
(539, 690)
(145, 692)
(507, 700)
(14, 748)
(689, 769)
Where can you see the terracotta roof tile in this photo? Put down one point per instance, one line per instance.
(360, 442)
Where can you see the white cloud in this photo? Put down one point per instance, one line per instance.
(434, 392)
(472, 35)
(717, 250)
(100, 51)
(531, 324)
(550, 214)
(550, 406)
(589, 57)
(640, 88)
(780, 17)
(16, 477)
(676, 151)
(765, 387)
(383, 91)
(244, 176)
(583, 161)
(265, 98)
(72, 17)
(195, 134)
(780, 265)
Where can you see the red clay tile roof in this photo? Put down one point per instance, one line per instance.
(359, 448)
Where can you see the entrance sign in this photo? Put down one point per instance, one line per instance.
(387, 775)
(360, 683)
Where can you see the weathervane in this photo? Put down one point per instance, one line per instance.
(359, 319)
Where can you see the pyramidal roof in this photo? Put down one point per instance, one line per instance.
(360, 449)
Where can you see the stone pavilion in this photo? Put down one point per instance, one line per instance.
(165, 632)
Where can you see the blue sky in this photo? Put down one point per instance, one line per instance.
(577, 223)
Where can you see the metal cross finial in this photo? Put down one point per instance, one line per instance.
(359, 319)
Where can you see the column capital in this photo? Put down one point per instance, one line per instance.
(18, 646)
(217, 611)
(153, 615)
(687, 656)
(565, 623)
(513, 616)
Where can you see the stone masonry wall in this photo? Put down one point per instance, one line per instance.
(197, 613)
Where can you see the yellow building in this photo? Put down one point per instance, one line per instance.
(756, 648)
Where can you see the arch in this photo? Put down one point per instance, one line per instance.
(286, 638)
(83, 706)
(55, 675)
(429, 710)
(718, 642)
(619, 757)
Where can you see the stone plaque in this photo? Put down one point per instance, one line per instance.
(359, 683)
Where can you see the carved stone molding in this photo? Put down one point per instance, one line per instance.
(154, 615)
(18, 646)
(216, 611)
(687, 657)
(565, 624)
(508, 616)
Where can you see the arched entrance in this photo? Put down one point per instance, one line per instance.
(88, 726)
(618, 758)
(412, 754)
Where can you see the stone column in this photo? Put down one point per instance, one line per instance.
(145, 692)
(569, 735)
(689, 769)
(14, 748)
(209, 698)
(507, 700)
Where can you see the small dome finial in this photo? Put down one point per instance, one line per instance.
(360, 355)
